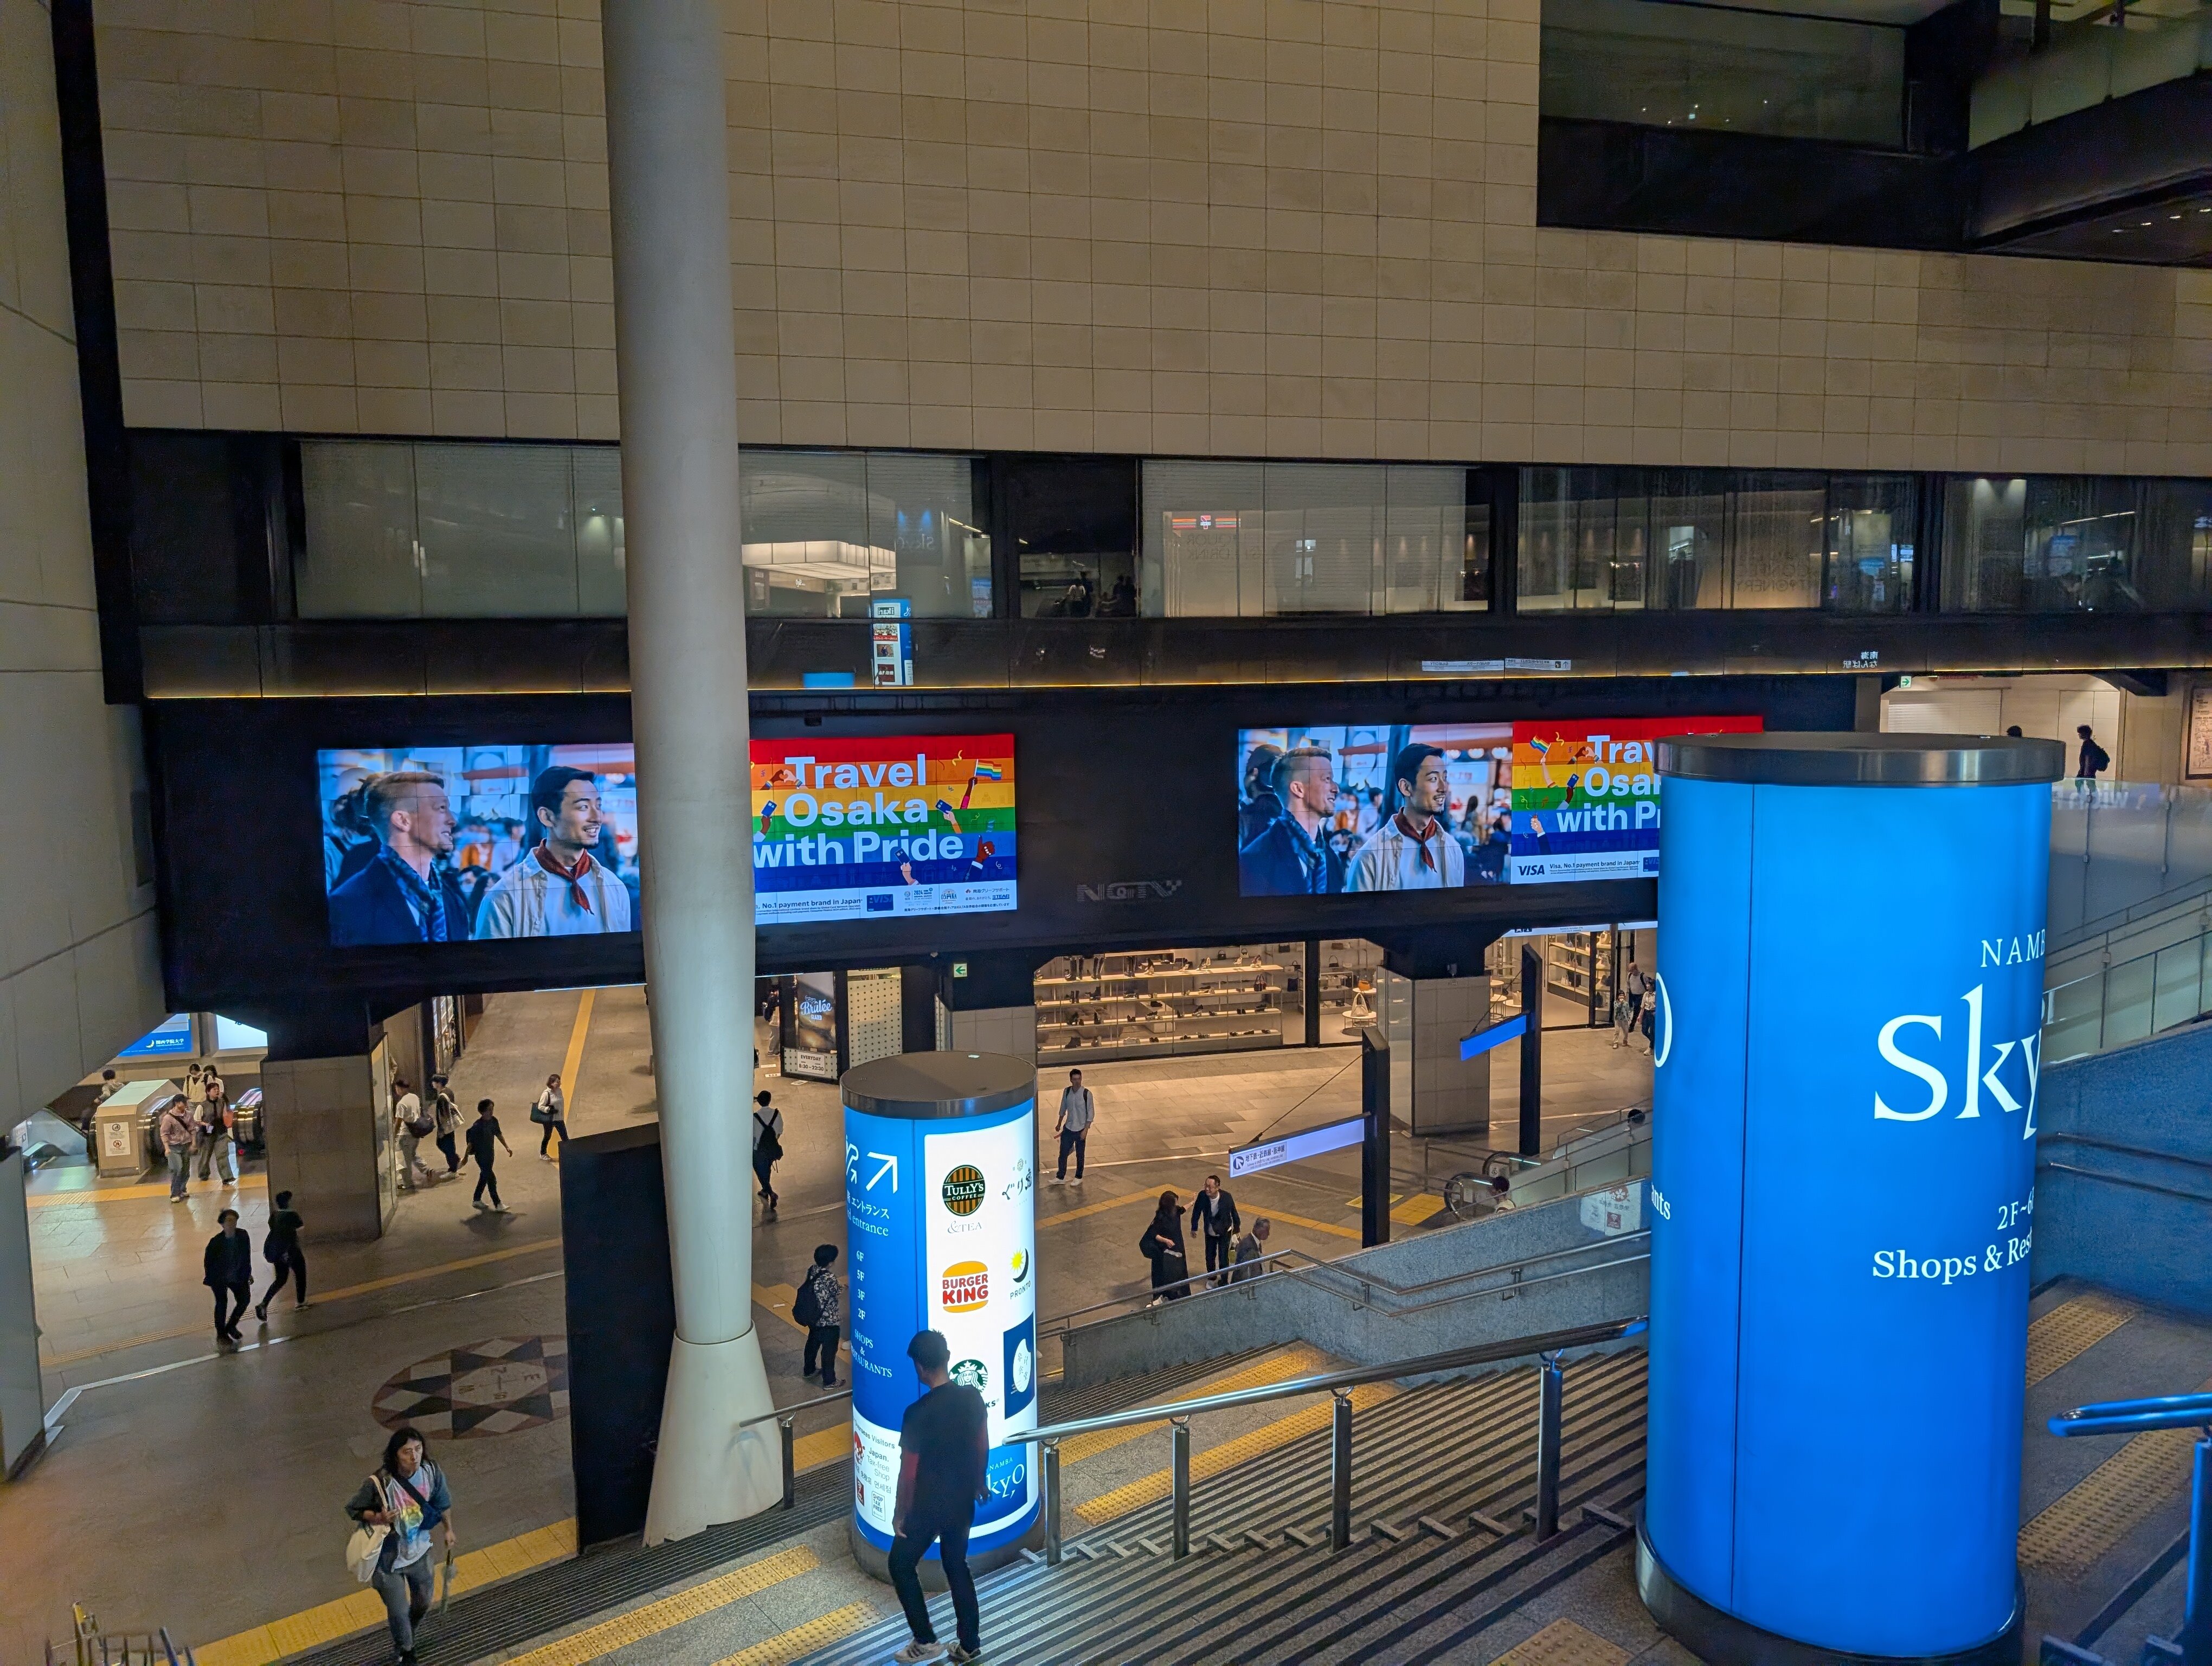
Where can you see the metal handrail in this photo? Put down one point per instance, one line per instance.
(2127, 1417)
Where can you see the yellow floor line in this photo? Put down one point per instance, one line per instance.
(260, 1645)
(779, 1651)
(368, 1287)
(2073, 1532)
(1563, 1643)
(573, 1062)
(1293, 1362)
(823, 1446)
(1411, 1212)
(1098, 1208)
(654, 1618)
(1355, 1201)
(1329, 1227)
(2070, 1329)
(251, 1183)
(1214, 1460)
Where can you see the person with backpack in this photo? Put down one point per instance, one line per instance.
(550, 1112)
(483, 1132)
(768, 1145)
(819, 1304)
(1162, 1244)
(446, 1122)
(407, 1499)
(280, 1248)
(413, 1124)
(215, 1142)
(2093, 761)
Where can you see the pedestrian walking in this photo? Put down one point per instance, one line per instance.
(227, 1268)
(178, 1132)
(1163, 1243)
(1501, 1194)
(820, 1306)
(407, 1496)
(410, 1123)
(550, 1112)
(2093, 760)
(446, 1118)
(1076, 1112)
(215, 1147)
(1249, 1249)
(1213, 1218)
(483, 1133)
(768, 1145)
(1639, 1003)
(943, 1469)
(280, 1248)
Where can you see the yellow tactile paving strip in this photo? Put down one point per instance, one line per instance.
(250, 1183)
(1214, 1460)
(832, 1627)
(654, 1618)
(2070, 1329)
(1276, 1368)
(1563, 1643)
(2075, 1531)
(364, 1609)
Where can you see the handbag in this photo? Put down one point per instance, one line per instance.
(365, 1546)
(541, 1112)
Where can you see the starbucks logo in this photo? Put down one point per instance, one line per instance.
(972, 1374)
(963, 1190)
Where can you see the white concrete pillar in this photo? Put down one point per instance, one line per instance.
(668, 190)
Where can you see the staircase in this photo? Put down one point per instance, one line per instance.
(1443, 1549)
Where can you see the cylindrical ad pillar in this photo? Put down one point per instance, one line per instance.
(940, 1215)
(1847, 1053)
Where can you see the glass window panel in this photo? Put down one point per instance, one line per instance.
(1662, 65)
(1686, 568)
(601, 569)
(1427, 554)
(1582, 538)
(495, 532)
(1873, 519)
(2127, 1002)
(1203, 539)
(361, 561)
(921, 508)
(2173, 544)
(2174, 989)
(806, 544)
(1779, 536)
(1324, 527)
(1984, 516)
(1548, 541)
(2080, 543)
(1617, 541)
(1073, 520)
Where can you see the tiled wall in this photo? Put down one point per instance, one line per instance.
(79, 963)
(1249, 227)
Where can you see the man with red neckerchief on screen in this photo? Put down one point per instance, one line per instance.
(1412, 850)
(562, 887)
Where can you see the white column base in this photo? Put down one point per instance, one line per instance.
(707, 1471)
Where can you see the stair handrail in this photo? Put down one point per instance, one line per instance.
(2118, 1417)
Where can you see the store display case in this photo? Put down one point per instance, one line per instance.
(1344, 983)
(1160, 1003)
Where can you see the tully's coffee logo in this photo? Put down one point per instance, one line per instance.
(972, 1374)
(966, 1286)
(963, 1190)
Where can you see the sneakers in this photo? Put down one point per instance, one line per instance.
(914, 1653)
(961, 1656)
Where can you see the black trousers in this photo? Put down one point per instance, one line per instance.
(487, 1182)
(1070, 1142)
(242, 1293)
(952, 1550)
(452, 1155)
(821, 1340)
(559, 1125)
(292, 1263)
(763, 1168)
(1219, 1253)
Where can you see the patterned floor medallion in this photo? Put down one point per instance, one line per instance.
(489, 1388)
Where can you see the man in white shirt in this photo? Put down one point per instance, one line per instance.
(406, 1118)
(768, 1146)
(564, 886)
(1411, 851)
(1076, 1113)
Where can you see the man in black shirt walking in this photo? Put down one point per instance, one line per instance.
(229, 1273)
(943, 1456)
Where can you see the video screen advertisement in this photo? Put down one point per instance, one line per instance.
(1360, 808)
(850, 829)
(451, 844)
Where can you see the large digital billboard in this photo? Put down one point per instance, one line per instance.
(1436, 807)
(906, 824)
(445, 844)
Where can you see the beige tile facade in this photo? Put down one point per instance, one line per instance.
(1289, 228)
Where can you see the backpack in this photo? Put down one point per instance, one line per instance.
(806, 1303)
(769, 1145)
(2098, 758)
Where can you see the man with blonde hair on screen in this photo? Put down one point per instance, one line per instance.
(406, 894)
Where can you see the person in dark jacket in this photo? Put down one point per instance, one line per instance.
(1213, 1216)
(408, 893)
(407, 1495)
(228, 1272)
(1291, 856)
(1162, 1242)
(483, 1133)
(280, 1248)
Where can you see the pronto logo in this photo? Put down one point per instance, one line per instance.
(964, 1190)
(1021, 1265)
(1128, 891)
(965, 1285)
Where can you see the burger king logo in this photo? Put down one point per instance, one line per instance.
(966, 1286)
(964, 1190)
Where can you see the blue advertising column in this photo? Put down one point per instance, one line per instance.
(940, 1215)
(1847, 1053)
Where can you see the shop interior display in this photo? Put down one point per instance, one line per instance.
(1345, 983)
(1148, 1003)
